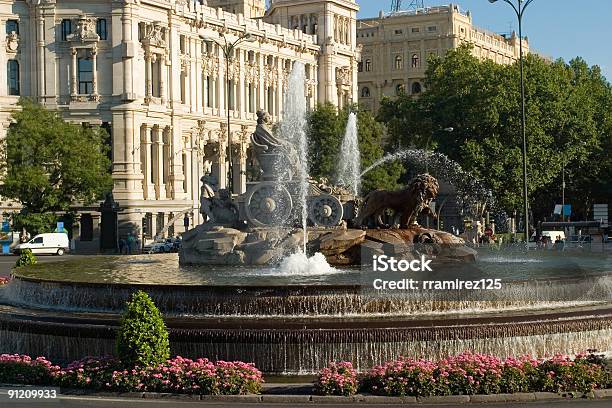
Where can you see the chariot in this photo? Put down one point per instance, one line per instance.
(276, 199)
(272, 203)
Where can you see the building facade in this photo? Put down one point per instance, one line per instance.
(396, 48)
(152, 72)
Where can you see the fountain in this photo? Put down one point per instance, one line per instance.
(349, 168)
(244, 287)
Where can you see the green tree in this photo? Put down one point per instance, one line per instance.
(326, 130)
(51, 164)
(142, 339)
(567, 111)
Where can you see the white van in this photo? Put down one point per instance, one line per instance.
(50, 243)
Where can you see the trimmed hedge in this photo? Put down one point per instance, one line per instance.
(26, 257)
(142, 339)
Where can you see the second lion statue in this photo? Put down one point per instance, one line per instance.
(410, 202)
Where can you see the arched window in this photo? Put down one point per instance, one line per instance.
(415, 61)
(398, 62)
(365, 92)
(12, 71)
(416, 88)
(368, 65)
(399, 89)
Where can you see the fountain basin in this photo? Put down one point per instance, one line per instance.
(297, 324)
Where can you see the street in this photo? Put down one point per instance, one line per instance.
(95, 402)
(7, 262)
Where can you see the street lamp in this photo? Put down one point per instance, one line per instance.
(520, 10)
(228, 49)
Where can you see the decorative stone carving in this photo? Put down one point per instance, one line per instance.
(155, 35)
(185, 65)
(85, 31)
(252, 73)
(210, 65)
(270, 76)
(12, 42)
(234, 69)
(344, 76)
(201, 136)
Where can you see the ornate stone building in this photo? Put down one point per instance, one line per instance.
(153, 73)
(396, 48)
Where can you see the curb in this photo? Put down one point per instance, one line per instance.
(331, 399)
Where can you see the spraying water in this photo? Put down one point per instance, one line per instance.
(349, 165)
(293, 128)
(470, 191)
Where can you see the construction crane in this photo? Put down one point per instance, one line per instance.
(396, 5)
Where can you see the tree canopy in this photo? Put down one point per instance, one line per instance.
(326, 128)
(568, 125)
(51, 164)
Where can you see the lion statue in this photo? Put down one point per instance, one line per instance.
(410, 202)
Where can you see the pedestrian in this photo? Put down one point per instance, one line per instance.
(130, 243)
(121, 246)
(186, 222)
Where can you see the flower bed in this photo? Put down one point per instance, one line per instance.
(337, 379)
(4, 280)
(20, 369)
(177, 375)
(468, 374)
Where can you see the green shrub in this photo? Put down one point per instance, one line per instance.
(142, 339)
(26, 258)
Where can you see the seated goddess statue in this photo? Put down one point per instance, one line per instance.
(277, 157)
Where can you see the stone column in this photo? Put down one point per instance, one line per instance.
(148, 77)
(261, 89)
(40, 46)
(162, 78)
(187, 151)
(278, 97)
(194, 170)
(219, 157)
(158, 164)
(168, 160)
(127, 60)
(239, 157)
(241, 105)
(73, 83)
(175, 149)
(146, 161)
(94, 69)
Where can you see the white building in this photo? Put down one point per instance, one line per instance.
(151, 72)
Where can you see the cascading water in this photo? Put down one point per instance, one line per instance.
(293, 128)
(349, 166)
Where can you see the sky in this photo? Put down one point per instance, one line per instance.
(555, 28)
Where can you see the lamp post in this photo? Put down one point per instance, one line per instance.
(520, 10)
(228, 49)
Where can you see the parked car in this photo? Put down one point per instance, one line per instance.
(176, 244)
(578, 241)
(158, 247)
(53, 243)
